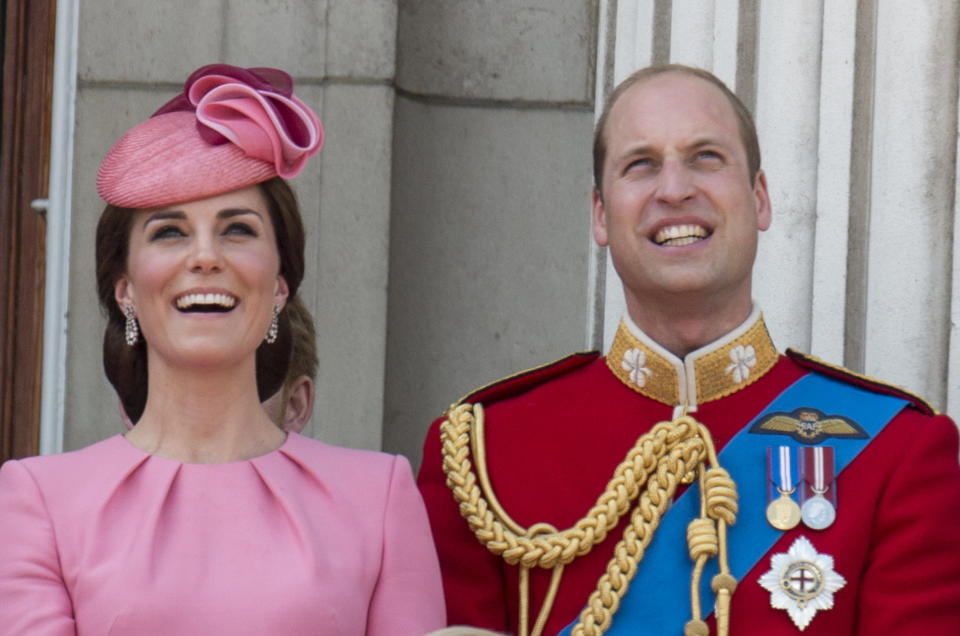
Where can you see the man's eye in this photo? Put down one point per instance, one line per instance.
(166, 232)
(709, 155)
(240, 229)
(641, 162)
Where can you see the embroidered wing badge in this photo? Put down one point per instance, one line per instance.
(808, 425)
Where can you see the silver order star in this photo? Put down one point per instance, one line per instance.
(802, 581)
(743, 359)
(635, 361)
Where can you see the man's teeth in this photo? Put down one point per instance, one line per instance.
(678, 235)
(222, 300)
(686, 240)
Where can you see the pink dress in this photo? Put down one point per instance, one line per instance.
(308, 539)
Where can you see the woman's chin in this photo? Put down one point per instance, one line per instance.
(207, 353)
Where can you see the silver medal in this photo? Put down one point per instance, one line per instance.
(817, 512)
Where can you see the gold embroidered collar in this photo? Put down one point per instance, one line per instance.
(722, 367)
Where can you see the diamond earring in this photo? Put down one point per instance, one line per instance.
(274, 325)
(131, 330)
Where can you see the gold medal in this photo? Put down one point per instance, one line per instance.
(783, 513)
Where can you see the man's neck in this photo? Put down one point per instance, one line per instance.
(684, 327)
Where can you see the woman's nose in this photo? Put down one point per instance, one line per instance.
(205, 254)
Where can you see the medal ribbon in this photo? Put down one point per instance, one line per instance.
(780, 466)
(666, 564)
(817, 462)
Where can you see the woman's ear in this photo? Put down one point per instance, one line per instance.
(122, 292)
(281, 292)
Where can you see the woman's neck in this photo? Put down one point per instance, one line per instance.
(204, 416)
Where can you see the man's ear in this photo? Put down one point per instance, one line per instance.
(598, 219)
(299, 407)
(762, 195)
(281, 292)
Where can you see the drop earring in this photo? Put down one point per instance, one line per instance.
(274, 325)
(131, 330)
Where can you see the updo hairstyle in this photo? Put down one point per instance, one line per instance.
(126, 366)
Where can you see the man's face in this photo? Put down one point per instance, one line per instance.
(678, 209)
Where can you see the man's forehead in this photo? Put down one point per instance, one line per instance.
(677, 99)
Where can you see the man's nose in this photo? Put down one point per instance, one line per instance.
(674, 183)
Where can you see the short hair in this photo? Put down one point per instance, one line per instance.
(748, 130)
(126, 366)
(303, 360)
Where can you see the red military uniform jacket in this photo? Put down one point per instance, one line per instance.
(554, 436)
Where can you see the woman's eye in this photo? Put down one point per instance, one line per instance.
(166, 232)
(240, 229)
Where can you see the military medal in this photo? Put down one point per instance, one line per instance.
(783, 513)
(818, 513)
(801, 581)
(816, 466)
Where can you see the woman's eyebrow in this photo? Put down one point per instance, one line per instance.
(166, 215)
(229, 213)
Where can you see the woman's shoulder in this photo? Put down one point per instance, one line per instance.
(98, 458)
(361, 467)
(66, 483)
(307, 447)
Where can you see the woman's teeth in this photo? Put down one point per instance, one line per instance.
(219, 301)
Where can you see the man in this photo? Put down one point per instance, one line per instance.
(290, 408)
(596, 494)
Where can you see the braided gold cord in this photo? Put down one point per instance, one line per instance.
(669, 454)
(603, 603)
(546, 550)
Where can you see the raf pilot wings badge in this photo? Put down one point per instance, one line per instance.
(808, 425)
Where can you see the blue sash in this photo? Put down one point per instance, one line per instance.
(666, 565)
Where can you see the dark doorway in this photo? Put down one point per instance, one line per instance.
(27, 30)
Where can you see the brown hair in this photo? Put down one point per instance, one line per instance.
(126, 366)
(748, 130)
(304, 361)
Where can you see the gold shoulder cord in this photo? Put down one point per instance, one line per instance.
(671, 453)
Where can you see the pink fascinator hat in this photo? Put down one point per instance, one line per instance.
(230, 128)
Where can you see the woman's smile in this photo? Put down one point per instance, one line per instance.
(203, 278)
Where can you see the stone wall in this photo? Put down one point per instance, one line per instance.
(134, 56)
(446, 215)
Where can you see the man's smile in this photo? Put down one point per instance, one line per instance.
(679, 235)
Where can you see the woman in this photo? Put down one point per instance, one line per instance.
(206, 517)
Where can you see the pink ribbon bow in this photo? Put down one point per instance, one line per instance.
(254, 109)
